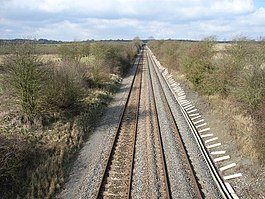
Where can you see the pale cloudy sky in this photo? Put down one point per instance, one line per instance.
(125, 19)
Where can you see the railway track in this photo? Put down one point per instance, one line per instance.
(116, 181)
(118, 174)
(150, 178)
(185, 156)
(215, 187)
(158, 176)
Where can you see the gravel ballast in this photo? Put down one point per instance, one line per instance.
(208, 185)
(148, 174)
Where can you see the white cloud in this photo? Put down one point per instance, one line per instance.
(82, 19)
(232, 6)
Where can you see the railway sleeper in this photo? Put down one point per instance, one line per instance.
(120, 153)
(116, 190)
(119, 167)
(123, 142)
(115, 180)
(115, 196)
(118, 174)
(123, 147)
(120, 162)
(121, 185)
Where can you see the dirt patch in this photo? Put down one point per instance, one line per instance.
(218, 114)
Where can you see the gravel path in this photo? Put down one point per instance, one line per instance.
(87, 169)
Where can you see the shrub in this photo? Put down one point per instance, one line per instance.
(74, 51)
(110, 58)
(18, 156)
(251, 89)
(137, 43)
(65, 85)
(198, 65)
(23, 75)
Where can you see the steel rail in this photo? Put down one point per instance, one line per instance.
(214, 172)
(193, 178)
(164, 164)
(99, 189)
(136, 127)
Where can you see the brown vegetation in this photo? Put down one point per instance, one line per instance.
(48, 108)
(235, 75)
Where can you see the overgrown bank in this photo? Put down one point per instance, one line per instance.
(48, 108)
(230, 75)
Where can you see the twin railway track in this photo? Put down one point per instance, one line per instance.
(157, 176)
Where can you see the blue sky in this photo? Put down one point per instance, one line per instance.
(259, 3)
(124, 19)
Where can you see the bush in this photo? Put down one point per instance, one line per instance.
(110, 58)
(198, 65)
(23, 75)
(18, 156)
(74, 52)
(65, 85)
(251, 89)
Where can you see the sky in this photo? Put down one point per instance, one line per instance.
(76, 20)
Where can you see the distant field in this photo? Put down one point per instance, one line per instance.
(46, 57)
(50, 57)
(40, 49)
(221, 46)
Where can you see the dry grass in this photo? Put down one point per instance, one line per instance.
(1, 59)
(63, 141)
(235, 73)
(46, 152)
(242, 126)
(63, 125)
(50, 57)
